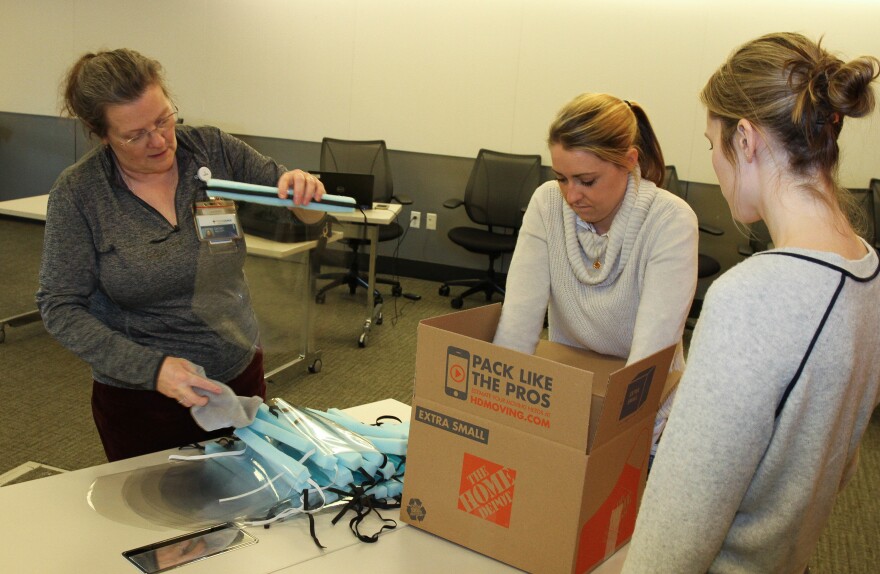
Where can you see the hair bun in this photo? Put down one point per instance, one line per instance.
(849, 86)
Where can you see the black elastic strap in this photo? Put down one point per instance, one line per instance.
(362, 505)
(354, 523)
(389, 417)
(311, 520)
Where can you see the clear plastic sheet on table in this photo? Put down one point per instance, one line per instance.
(290, 461)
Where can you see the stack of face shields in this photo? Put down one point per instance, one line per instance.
(293, 461)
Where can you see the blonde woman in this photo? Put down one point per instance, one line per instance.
(608, 255)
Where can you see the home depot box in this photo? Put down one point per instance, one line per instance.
(535, 460)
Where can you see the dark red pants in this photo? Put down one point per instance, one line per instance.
(132, 422)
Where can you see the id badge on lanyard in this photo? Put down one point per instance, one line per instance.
(217, 222)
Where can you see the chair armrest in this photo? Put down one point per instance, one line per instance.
(453, 203)
(710, 229)
(745, 250)
(402, 199)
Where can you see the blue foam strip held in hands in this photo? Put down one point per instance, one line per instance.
(266, 195)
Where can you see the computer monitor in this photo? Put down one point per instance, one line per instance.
(358, 186)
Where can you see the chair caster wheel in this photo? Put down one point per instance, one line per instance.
(444, 290)
(316, 366)
(320, 298)
(396, 291)
(457, 303)
(379, 319)
(362, 340)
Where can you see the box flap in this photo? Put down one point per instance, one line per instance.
(478, 323)
(632, 394)
(602, 366)
(459, 367)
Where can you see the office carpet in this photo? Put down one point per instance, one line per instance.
(44, 389)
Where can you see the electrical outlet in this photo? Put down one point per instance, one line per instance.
(415, 219)
(430, 221)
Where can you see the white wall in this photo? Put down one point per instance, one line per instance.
(435, 76)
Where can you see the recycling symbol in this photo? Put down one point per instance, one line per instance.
(415, 510)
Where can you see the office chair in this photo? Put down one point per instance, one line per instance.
(496, 196)
(371, 157)
(759, 240)
(707, 266)
(867, 201)
(872, 202)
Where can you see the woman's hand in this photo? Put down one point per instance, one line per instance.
(302, 186)
(178, 377)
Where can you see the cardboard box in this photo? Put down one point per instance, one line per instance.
(538, 460)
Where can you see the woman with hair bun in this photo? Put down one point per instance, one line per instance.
(781, 379)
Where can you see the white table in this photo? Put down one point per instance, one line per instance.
(365, 224)
(49, 526)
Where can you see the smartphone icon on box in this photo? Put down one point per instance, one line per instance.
(458, 366)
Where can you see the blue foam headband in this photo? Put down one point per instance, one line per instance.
(265, 195)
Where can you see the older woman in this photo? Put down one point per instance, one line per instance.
(128, 282)
(782, 375)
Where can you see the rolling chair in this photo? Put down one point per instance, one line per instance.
(873, 212)
(868, 201)
(496, 196)
(370, 157)
(707, 266)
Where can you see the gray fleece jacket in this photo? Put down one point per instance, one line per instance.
(122, 288)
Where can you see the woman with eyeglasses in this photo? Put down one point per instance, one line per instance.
(782, 376)
(156, 305)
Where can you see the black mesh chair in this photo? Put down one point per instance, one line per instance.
(497, 193)
(866, 200)
(362, 156)
(872, 208)
(707, 266)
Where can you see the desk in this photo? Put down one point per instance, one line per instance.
(50, 526)
(27, 208)
(369, 220)
(35, 208)
(276, 250)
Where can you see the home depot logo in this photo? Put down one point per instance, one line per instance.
(486, 490)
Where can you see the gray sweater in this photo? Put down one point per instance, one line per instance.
(734, 488)
(122, 288)
(633, 305)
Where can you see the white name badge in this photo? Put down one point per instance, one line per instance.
(216, 221)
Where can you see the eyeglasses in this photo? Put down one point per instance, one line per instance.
(162, 126)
